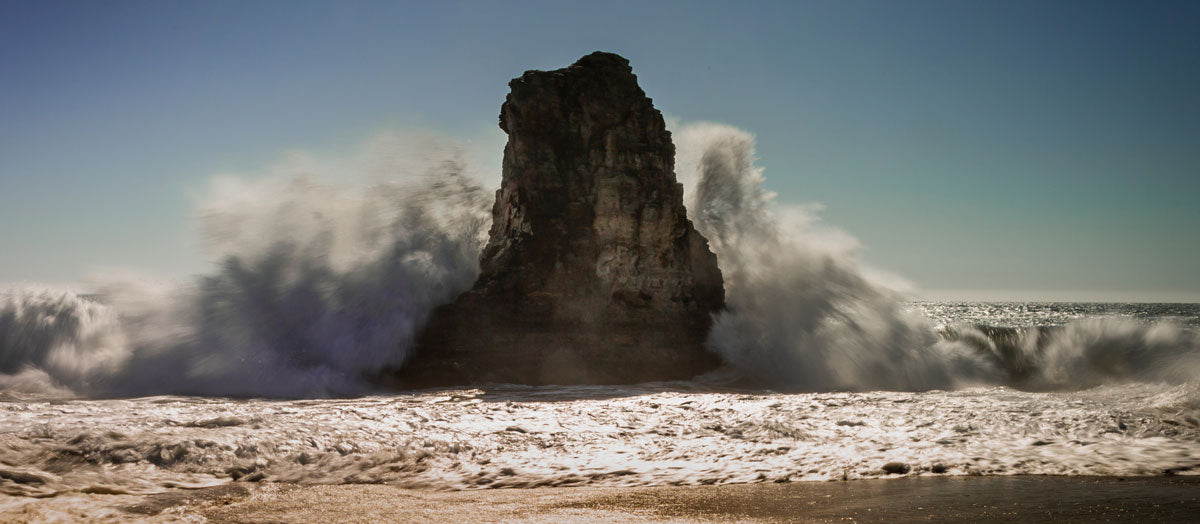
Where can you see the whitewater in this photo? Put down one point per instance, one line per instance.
(268, 368)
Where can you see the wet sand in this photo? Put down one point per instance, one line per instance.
(930, 499)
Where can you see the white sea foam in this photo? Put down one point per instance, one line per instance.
(52, 340)
(657, 434)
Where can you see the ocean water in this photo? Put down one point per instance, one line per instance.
(260, 370)
(1031, 314)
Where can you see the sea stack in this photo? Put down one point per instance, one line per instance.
(593, 273)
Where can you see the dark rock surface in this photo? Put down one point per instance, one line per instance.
(593, 273)
(896, 468)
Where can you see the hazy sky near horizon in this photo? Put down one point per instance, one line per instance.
(1021, 149)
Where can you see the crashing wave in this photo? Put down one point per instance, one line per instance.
(804, 315)
(318, 284)
(322, 282)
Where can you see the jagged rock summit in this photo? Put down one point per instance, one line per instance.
(593, 273)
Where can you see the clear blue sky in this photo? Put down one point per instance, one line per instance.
(1032, 149)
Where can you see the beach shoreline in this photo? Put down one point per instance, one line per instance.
(927, 499)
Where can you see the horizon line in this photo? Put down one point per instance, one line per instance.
(1027, 295)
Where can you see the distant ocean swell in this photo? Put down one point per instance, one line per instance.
(318, 284)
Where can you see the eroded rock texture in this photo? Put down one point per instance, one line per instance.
(593, 273)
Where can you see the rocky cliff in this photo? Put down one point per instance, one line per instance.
(593, 273)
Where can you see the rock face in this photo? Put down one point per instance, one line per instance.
(593, 273)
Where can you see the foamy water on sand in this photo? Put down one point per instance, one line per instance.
(668, 434)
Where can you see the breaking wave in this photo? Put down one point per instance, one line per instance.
(1081, 354)
(325, 272)
(805, 314)
(323, 277)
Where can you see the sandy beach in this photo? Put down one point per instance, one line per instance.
(926, 499)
